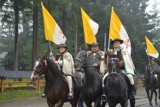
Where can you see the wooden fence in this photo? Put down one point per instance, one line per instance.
(4, 84)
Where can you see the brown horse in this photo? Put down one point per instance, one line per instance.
(56, 88)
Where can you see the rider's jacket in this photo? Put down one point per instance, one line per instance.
(66, 63)
(154, 67)
(97, 57)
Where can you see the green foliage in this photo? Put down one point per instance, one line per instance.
(18, 94)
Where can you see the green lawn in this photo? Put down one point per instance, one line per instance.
(18, 93)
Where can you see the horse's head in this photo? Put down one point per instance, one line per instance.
(147, 74)
(113, 65)
(80, 59)
(39, 68)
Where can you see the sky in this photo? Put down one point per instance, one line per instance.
(150, 5)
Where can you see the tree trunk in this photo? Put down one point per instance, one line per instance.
(16, 13)
(76, 30)
(64, 19)
(35, 32)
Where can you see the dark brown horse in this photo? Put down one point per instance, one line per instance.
(56, 88)
(91, 88)
(151, 84)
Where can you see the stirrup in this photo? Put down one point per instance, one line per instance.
(70, 95)
(103, 97)
(132, 94)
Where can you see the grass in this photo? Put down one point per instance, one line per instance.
(139, 83)
(18, 93)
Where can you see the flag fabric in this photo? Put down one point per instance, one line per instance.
(52, 30)
(151, 50)
(90, 28)
(117, 30)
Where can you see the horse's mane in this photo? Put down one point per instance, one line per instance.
(113, 79)
(54, 68)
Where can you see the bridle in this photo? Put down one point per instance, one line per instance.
(113, 61)
(38, 61)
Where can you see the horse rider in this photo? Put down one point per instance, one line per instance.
(154, 66)
(97, 57)
(117, 52)
(66, 64)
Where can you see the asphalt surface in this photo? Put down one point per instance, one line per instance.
(141, 101)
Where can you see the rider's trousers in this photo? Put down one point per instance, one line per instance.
(69, 78)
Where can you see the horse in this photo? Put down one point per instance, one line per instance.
(116, 88)
(56, 87)
(150, 84)
(91, 89)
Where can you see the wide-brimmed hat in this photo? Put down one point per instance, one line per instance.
(62, 45)
(117, 39)
(95, 44)
(153, 59)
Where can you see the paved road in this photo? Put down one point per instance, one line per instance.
(141, 101)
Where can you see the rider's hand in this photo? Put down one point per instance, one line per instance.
(95, 64)
(57, 62)
(50, 54)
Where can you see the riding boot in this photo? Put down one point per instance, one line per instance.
(132, 91)
(104, 97)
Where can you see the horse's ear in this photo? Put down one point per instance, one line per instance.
(47, 55)
(39, 55)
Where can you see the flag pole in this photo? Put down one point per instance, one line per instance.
(105, 42)
(107, 51)
(49, 46)
(149, 62)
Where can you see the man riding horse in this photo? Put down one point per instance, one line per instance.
(154, 66)
(97, 57)
(66, 64)
(119, 53)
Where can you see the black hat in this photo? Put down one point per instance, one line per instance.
(62, 45)
(95, 44)
(117, 39)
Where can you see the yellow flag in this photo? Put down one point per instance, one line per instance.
(90, 28)
(117, 30)
(51, 29)
(151, 50)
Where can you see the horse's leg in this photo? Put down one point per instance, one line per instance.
(155, 97)
(50, 104)
(125, 103)
(97, 102)
(132, 102)
(74, 102)
(60, 103)
(151, 96)
(88, 103)
(112, 104)
(148, 96)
